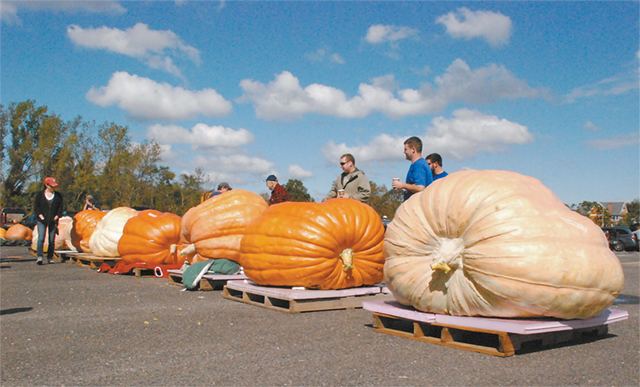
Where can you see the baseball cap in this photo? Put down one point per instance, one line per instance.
(272, 178)
(50, 181)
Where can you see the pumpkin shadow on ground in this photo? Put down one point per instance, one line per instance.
(15, 310)
(626, 299)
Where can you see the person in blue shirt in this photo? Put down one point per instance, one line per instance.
(434, 161)
(419, 175)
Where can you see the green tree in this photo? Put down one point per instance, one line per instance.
(633, 213)
(384, 201)
(297, 191)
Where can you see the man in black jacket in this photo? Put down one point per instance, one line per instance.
(47, 207)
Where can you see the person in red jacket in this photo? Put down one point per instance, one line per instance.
(279, 194)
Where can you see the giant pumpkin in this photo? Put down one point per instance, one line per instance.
(105, 238)
(216, 226)
(151, 237)
(332, 245)
(3, 232)
(18, 232)
(84, 224)
(62, 239)
(500, 244)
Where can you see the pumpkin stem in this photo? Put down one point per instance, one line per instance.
(190, 249)
(347, 259)
(441, 266)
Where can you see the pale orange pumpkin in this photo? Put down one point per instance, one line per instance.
(332, 245)
(215, 227)
(3, 232)
(499, 244)
(62, 239)
(84, 224)
(151, 237)
(18, 232)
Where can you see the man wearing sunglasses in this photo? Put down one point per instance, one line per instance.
(352, 182)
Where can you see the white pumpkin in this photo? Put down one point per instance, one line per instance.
(62, 239)
(497, 243)
(105, 238)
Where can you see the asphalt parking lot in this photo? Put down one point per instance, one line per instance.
(62, 324)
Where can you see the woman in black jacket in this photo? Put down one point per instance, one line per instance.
(47, 207)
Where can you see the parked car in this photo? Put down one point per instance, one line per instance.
(10, 216)
(620, 238)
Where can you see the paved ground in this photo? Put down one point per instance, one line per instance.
(66, 325)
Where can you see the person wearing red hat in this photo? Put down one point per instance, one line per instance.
(48, 206)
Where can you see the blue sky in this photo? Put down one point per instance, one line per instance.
(245, 89)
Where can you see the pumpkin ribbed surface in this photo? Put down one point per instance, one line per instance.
(497, 243)
(215, 227)
(104, 240)
(151, 237)
(84, 224)
(332, 245)
(3, 232)
(18, 232)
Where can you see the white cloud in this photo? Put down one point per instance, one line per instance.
(9, 9)
(297, 172)
(143, 98)
(467, 133)
(615, 85)
(153, 47)
(325, 55)
(380, 33)
(470, 132)
(382, 147)
(493, 27)
(285, 98)
(590, 126)
(200, 136)
(620, 141)
(237, 163)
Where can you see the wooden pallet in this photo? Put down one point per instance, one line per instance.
(292, 300)
(491, 336)
(207, 282)
(90, 260)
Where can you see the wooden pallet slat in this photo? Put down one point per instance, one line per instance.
(298, 300)
(497, 337)
(208, 282)
(88, 259)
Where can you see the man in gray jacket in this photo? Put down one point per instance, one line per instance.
(352, 182)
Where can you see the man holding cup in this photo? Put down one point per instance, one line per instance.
(419, 175)
(352, 182)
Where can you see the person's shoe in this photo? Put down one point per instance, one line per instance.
(39, 261)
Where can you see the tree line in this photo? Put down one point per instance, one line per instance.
(102, 160)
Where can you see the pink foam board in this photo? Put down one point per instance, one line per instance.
(518, 326)
(299, 294)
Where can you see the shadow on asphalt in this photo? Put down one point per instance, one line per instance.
(15, 310)
(10, 260)
(626, 299)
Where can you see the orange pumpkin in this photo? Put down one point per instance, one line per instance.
(332, 245)
(3, 232)
(151, 237)
(216, 226)
(18, 232)
(84, 224)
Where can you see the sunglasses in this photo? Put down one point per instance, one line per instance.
(343, 162)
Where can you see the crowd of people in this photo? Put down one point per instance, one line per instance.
(350, 183)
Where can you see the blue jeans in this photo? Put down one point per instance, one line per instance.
(52, 237)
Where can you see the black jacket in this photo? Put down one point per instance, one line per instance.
(41, 206)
